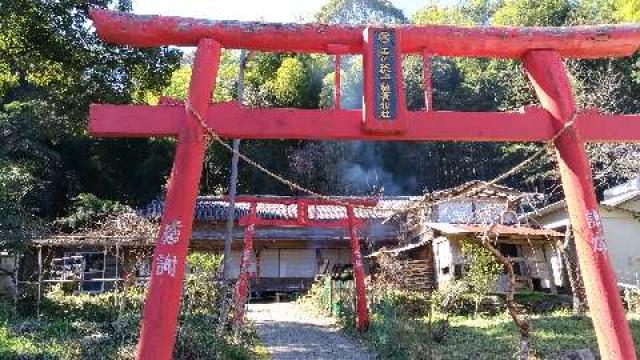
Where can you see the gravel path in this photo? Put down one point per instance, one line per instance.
(288, 332)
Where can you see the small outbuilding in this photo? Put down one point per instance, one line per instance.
(472, 212)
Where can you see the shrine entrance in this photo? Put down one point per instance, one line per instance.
(306, 215)
(384, 117)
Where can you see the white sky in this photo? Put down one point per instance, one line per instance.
(264, 10)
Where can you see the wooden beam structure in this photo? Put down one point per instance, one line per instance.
(384, 117)
(551, 82)
(157, 335)
(532, 124)
(441, 40)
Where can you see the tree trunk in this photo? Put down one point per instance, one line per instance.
(524, 327)
(233, 181)
(568, 252)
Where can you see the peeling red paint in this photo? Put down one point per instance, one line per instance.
(442, 40)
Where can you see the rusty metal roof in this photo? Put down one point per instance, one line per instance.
(480, 189)
(500, 230)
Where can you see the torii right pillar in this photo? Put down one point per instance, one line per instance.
(547, 72)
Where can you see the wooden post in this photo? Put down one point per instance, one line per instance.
(568, 255)
(427, 80)
(157, 335)
(117, 267)
(551, 83)
(337, 93)
(104, 267)
(547, 259)
(39, 296)
(116, 282)
(362, 313)
(242, 285)
(233, 183)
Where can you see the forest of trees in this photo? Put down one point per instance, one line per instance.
(52, 66)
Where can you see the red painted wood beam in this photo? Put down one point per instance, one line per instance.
(270, 123)
(136, 120)
(502, 42)
(303, 205)
(534, 124)
(291, 223)
(549, 77)
(598, 127)
(158, 330)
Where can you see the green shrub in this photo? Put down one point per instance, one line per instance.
(632, 300)
(102, 307)
(482, 273)
(536, 302)
(201, 286)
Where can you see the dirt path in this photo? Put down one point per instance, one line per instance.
(290, 333)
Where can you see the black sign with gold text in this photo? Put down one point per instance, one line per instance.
(385, 93)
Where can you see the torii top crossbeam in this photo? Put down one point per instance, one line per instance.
(441, 40)
(384, 117)
(268, 123)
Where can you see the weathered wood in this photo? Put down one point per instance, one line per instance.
(546, 70)
(441, 40)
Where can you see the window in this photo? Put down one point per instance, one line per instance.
(86, 267)
(457, 272)
(508, 250)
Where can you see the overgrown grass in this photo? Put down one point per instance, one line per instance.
(484, 337)
(91, 330)
(401, 328)
(106, 326)
(495, 337)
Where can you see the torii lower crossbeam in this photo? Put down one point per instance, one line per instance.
(384, 117)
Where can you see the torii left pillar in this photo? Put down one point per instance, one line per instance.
(157, 336)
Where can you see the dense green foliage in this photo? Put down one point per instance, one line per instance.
(52, 66)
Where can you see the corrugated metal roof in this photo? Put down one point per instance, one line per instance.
(621, 199)
(501, 230)
(396, 250)
(216, 209)
(482, 191)
(89, 240)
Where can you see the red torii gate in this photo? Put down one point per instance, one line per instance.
(302, 219)
(384, 117)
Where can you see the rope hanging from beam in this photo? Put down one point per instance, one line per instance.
(425, 201)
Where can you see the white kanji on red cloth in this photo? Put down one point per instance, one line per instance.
(166, 265)
(171, 233)
(595, 225)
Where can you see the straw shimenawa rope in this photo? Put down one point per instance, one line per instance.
(425, 201)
